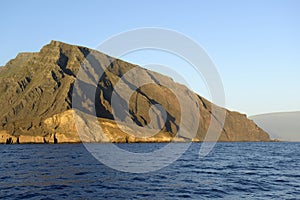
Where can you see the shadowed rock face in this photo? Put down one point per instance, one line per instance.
(36, 98)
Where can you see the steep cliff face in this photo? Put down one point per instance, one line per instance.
(36, 98)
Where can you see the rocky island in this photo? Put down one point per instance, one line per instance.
(36, 102)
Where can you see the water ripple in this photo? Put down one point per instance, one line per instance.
(230, 171)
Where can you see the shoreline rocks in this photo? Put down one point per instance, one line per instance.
(6, 138)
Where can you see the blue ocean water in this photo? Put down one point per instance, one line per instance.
(230, 171)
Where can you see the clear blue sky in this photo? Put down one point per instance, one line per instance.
(254, 44)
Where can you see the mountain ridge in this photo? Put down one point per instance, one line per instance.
(37, 88)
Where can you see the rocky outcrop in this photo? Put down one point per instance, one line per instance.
(27, 139)
(67, 131)
(36, 94)
(236, 125)
(6, 138)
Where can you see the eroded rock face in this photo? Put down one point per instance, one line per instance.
(6, 138)
(84, 130)
(28, 139)
(36, 96)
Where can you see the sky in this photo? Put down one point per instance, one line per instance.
(255, 45)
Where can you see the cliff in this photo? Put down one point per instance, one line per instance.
(36, 91)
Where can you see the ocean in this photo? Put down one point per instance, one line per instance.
(268, 170)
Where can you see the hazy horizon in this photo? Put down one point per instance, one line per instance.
(283, 126)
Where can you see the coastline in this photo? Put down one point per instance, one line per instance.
(42, 140)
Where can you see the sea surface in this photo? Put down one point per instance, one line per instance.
(229, 171)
